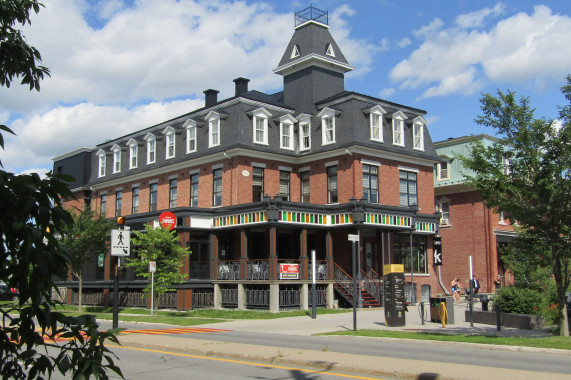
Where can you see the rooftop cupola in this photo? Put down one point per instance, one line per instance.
(313, 65)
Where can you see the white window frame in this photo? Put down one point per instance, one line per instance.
(260, 124)
(329, 50)
(102, 163)
(439, 169)
(398, 128)
(294, 52)
(116, 149)
(444, 221)
(133, 153)
(327, 114)
(213, 119)
(151, 142)
(304, 120)
(191, 132)
(170, 142)
(377, 113)
(418, 125)
(286, 130)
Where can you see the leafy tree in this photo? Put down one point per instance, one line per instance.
(163, 247)
(17, 58)
(527, 174)
(84, 239)
(30, 254)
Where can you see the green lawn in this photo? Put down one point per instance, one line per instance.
(563, 343)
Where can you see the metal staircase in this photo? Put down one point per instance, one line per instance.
(370, 282)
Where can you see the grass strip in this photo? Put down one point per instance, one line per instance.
(557, 342)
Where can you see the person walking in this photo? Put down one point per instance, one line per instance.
(475, 284)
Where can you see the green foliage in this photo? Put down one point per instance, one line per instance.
(17, 58)
(527, 175)
(518, 300)
(163, 247)
(84, 240)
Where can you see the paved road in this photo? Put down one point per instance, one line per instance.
(290, 341)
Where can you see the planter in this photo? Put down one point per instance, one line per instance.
(518, 321)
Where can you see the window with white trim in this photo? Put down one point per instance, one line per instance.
(398, 128)
(213, 129)
(102, 162)
(151, 148)
(294, 52)
(329, 51)
(133, 153)
(116, 158)
(170, 146)
(190, 136)
(286, 132)
(443, 207)
(304, 132)
(327, 126)
(376, 123)
(260, 126)
(418, 135)
(443, 170)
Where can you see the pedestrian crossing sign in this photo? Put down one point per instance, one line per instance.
(120, 242)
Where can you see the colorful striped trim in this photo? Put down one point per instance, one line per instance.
(240, 219)
(387, 220)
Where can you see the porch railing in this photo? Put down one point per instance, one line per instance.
(320, 272)
(343, 280)
(372, 285)
(229, 270)
(258, 270)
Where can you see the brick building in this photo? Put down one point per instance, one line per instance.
(468, 226)
(258, 180)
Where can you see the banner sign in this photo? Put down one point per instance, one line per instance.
(289, 271)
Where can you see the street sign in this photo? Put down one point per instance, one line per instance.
(353, 237)
(167, 220)
(152, 266)
(120, 243)
(437, 250)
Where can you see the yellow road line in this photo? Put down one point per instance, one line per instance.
(243, 362)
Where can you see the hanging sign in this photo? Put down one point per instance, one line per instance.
(167, 220)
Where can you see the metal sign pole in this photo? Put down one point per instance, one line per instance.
(116, 295)
(354, 286)
(471, 293)
(313, 285)
(152, 292)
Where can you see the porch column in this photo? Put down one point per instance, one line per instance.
(243, 255)
(303, 258)
(329, 254)
(330, 296)
(273, 256)
(274, 298)
(213, 256)
(241, 297)
(217, 297)
(304, 297)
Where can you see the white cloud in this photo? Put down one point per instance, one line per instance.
(521, 48)
(64, 129)
(476, 19)
(386, 92)
(404, 42)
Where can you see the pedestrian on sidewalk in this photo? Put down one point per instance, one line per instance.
(475, 284)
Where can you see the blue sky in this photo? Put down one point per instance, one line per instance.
(120, 66)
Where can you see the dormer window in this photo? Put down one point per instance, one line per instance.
(286, 132)
(376, 123)
(133, 153)
(213, 119)
(304, 132)
(102, 163)
(151, 148)
(329, 51)
(170, 135)
(418, 133)
(327, 116)
(443, 169)
(260, 126)
(190, 126)
(294, 52)
(116, 149)
(398, 128)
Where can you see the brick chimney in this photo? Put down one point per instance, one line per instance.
(210, 97)
(241, 85)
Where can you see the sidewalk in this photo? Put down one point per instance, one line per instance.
(334, 361)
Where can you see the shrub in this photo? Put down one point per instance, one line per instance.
(520, 300)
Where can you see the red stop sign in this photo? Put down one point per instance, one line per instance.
(167, 220)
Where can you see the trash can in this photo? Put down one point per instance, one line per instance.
(484, 300)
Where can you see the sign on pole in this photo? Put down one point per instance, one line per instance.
(437, 250)
(152, 266)
(120, 242)
(353, 237)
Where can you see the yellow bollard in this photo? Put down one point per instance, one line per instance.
(443, 314)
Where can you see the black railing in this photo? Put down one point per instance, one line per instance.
(311, 13)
